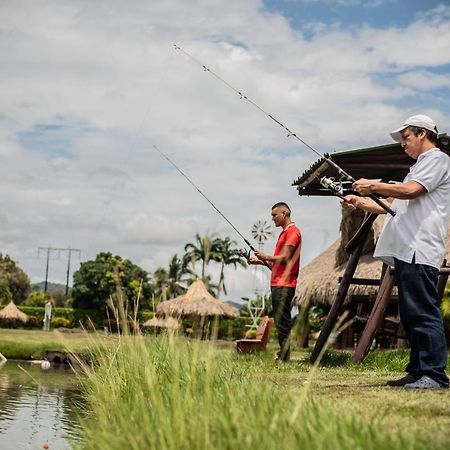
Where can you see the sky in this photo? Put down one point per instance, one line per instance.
(89, 87)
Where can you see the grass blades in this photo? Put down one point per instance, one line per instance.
(171, 393)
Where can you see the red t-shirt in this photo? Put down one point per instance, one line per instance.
(286, 274)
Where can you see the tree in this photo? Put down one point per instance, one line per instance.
(96, 281)
(204, 250)
(227, 254)
(59, 297)
(218, 250)
(14, 282)
(167, 284)
(39, 298)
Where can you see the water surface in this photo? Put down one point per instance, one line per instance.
(38, 406)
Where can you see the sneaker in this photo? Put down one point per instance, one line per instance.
(424, 383)
(407, 379)
(283, 358)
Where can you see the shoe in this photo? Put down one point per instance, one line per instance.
(424, 383)
(407, 379)
(283, 358)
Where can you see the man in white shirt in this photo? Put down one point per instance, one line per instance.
(414, 243)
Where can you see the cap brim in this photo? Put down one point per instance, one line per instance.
(397, 134)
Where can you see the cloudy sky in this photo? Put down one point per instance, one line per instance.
(88, 87)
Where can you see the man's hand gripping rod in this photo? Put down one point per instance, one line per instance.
(342, 173)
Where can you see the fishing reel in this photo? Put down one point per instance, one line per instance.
(245, 253)
(334, 186)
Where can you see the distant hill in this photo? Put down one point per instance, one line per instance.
(236, 304)
(51, 287)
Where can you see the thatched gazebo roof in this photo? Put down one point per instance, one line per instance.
(319, 279)
(11, 312)
(197, 301)
(162, 322)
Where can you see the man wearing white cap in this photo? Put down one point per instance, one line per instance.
(414, 243)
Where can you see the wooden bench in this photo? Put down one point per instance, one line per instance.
(261, 339)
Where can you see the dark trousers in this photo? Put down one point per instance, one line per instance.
(421, 317)
(281, 305)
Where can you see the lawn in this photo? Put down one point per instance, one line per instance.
(31, 344)
(184, 394)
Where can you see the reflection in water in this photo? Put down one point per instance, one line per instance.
(37, 406)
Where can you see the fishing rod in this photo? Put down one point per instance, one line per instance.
(244, 253)
(326, 182)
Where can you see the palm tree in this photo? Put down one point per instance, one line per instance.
(205, 250)
(168, 283)
(227, 254)
(215, 249)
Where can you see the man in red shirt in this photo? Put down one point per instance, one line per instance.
(285, 266)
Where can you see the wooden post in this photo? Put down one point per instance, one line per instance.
(376, 316)
(339, 298)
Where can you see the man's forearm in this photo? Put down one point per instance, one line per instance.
(402, 191)
(367, 204)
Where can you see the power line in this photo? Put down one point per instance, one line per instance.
(50, 249)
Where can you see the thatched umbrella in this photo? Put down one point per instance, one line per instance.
(197, 301)
(318, 281)
(162, 322)
(11, 312)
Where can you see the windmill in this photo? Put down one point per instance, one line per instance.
(261, 231)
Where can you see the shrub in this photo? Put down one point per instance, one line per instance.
(33, 322)
(38, 298)
(60, 322)
(10, 323)
(250, 334)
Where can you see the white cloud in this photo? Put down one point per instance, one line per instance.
(99, 82)
(424, 80)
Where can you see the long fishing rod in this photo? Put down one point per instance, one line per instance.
(253, 249)
(327, 182)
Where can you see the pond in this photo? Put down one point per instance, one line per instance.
(38, 407)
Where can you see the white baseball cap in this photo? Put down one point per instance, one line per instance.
(420, 120)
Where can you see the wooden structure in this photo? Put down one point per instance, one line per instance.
(376, 320)
(261, 339)
(388, 163)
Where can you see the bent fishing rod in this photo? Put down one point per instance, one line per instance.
(328, 183)
(246, 254)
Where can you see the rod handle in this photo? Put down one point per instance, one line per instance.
(380, 202)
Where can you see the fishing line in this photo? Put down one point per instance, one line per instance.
(342, 173)
(253, 249)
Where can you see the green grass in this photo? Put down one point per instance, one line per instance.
(31, 344)
(179, 394)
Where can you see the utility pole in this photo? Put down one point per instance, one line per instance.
(50, 249)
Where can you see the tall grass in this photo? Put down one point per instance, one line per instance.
(169, 393)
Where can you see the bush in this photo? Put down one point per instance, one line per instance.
(11, 323)
(75, 316)
(250, 334)
(60, 322)
(33, 322)
(38, 298)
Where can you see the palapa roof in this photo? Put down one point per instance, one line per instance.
(197, 301)
(162, 322)
(319, 279)
(10, 311)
